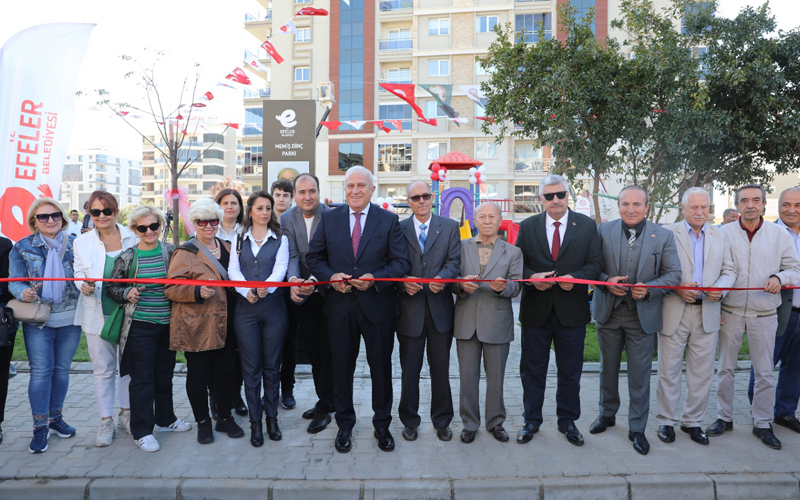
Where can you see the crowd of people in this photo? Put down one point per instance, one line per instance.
(690, 286)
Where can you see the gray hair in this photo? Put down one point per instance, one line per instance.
(795, 189)
(751, 186)
(143, 211)
(358, 169)
(487, 204)
(691, 191)
(408, 188)
(205, 209)
(552, 180)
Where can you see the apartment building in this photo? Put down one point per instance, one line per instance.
(89, 169)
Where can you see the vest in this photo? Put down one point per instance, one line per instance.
(259, 267)
(629, 266)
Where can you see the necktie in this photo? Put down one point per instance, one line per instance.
(556, 241)
(356, 233)
(632, 238)
(422, 236)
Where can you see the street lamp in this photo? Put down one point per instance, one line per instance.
(326, 100)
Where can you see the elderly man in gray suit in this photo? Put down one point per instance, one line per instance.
(484, 321)
(634, 251)
(691, 319)
(426, 311)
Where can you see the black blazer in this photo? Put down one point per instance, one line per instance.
(382, 252)
(580, 256)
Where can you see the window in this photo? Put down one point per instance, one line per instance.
(302, 35)
(395, 112)
(438, 27)
(350, 94)
(218, 138)
(214, 153)
(302, 74)
(148, 155)
(485, 24)
(398, 75)
(486, 149)
(213, 170)
(399, 39)
(530, 24)
(480, 70)
(695, 9)
(583, 7)
(433, 110)
(528, 158)
(491, 191)
(350, 154)
(394, 157)
(526, 199)
(436, 150)
(439, 67)
(302, 1)
(253, 121)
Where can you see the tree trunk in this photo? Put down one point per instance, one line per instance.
(595, 191)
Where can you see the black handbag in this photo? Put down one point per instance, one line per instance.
(8, 328)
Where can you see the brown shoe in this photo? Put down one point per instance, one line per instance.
(499, 433)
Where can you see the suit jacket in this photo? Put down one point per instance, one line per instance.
(382, 252)
(718, 271)
(580, 256)
(486, 312)
(442, 257)
(293, 226)
(658, 265)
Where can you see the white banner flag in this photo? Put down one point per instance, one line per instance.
(38, 76)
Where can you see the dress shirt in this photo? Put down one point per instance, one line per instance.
(698, 244)
(417, 223)
(550, 229)
(796, 239)
(278, 271)
(75, 227)
(309, 222)
(485, 250)
(363, 219)
(229, 237)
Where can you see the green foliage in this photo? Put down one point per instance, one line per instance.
(122, 218)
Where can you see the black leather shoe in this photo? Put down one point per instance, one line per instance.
(229, 427)
(238, 405)
(12, 371)
(212, 404)
(344, 440)
(601, 424)
(273, 431)
(767, 437)
(666, 433)
(204, 433)
(640, 443)
(696, 433)
(410, 433)
(573, 434)
(467, 436)
(385, 439)
(718, 427)
(526, 433)
(443, 433)
(257, 434)
(789, 421)
(499, 433)
(287, 400)
(309, 414)
(319, 422)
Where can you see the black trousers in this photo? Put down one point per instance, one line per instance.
(230, 340)
(289, 348)
(5, 363)
(151, 364)
(412, 352)
(220, 363)
(534, 359)
(313, 334)
(345, 338)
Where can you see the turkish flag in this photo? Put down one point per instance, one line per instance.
(271, 51)
(311, 11)
(398, 124)
(332, 125)
(429, 121)
(379, 124)
(238, 75)
(232, 125)
(289, 27)
(404, 91)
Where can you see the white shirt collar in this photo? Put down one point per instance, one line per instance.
(549, 220)
(270, 234)
(417, 223)
(363, 212)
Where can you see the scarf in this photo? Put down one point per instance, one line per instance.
(53, 291)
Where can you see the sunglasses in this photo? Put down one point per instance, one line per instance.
(106, 211)
(426, 197)
(204, 223)
(56, 216)
(549, 196)
(153, 227)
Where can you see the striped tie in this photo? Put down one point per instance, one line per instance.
(632, 238)
(422, 236)
(356, 233)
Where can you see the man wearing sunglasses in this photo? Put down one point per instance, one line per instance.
(561, 243)
(426, 311)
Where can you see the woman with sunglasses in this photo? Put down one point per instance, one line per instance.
(144, 339)
(261, 317)
(202, 324)
(95, 253)
(50, 345)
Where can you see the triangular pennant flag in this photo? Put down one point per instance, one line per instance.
(208, 97)
(232, 125)
(404, 91)
(255, 64)
(379, 124)
(443, 95)
(460, 120)
(429, 121)
(475, 93)
(356, 124)
(225, 84)
(398, 124)
(311, 11)
(239, 76)
(485, 118)
(198, 105)
(332, 125)
(267, 45)
(346, 1)
(289, 27)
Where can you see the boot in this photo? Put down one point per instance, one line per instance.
(204, 433)
(257, 434)
(229, 427)
(273, 431)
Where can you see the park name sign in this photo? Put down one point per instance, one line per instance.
(289, 139)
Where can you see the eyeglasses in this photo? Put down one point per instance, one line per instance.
(416, 198)
(204, 223)
(106, 211)
(56, 216)
(549, 196)
(153, 227)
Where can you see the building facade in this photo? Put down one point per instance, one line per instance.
(89, 169)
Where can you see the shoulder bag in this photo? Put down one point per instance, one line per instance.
(113, 325)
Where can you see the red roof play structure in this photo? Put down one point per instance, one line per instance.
(455, 160)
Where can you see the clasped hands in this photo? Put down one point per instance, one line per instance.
(546, 285)
(498, 285)
(413, 288)
(298, 292)
(637, 292)
(344, 283)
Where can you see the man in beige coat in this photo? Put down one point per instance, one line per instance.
(691, 319)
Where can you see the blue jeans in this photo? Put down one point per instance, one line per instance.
(787, 351)
(50, 352)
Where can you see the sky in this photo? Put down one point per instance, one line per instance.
(208, 32)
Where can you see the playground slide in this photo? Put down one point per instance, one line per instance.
(512, 230)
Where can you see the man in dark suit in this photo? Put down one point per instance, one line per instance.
(562, 243)
(299, 224)
(426, 311)
(353, 244)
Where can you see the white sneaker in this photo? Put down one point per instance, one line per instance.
(148, 443)
(177, 426)
(124, 421)
(105, 434)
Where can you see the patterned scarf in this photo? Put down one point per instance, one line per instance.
(53, 291)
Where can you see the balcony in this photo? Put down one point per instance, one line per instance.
(259, 24)
(394, 166)
(532, 164)
(528, 37)
(257, 94)
(395, 45)
(252, 169)
(399, 82)
(395, 5)
(260, 15)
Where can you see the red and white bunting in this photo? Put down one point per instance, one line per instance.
(238, 76)
(356, 124)
(429, 121)
(398, 124)
(311, 11)
(404, 91)
(332, 125)
(289, 27)
(267, 45)
(256, 65)
(380, 125)
(485, 118)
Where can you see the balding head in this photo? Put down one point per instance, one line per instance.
(487, 219)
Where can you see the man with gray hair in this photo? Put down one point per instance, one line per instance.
(691, 319)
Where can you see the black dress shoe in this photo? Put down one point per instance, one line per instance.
(257, 434)
(204, 433)
(718, 427)
(573, 434)
(319, 422)
(601, 424)
(467, 436)
(344, 440)
(789, 421)
(230, 427)
(238, 405)
(385, 439)
(767, 437)
(666, 433)
(12, 371)
(410, 433)
(443, 433)
(273, 431)
(640, 443)
(696, 433)
(526, 433)
(499, 433)
(309, 414)
(287, 400)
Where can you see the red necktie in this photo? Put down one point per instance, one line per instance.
(356, 233)
(556, 241)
